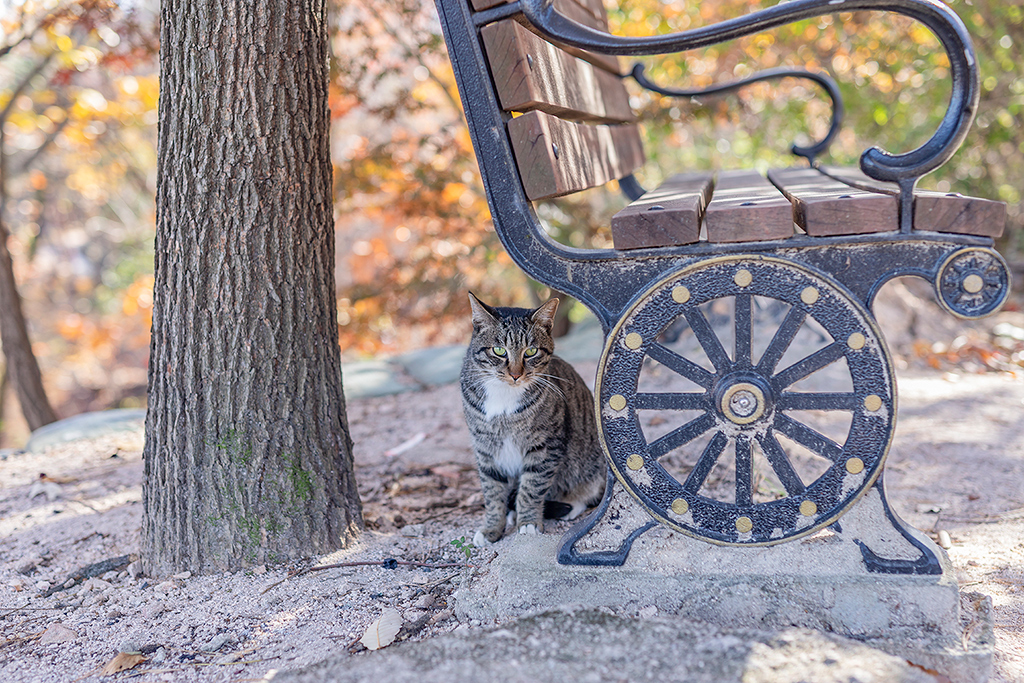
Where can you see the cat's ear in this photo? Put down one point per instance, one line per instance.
(545, 314)
(482, 313)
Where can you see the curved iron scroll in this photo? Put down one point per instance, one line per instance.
(809, 152)
(904, 168)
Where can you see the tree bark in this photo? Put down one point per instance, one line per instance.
(248, 457)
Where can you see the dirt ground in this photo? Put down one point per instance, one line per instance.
(955, 466)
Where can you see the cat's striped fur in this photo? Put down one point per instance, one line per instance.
(531, 419)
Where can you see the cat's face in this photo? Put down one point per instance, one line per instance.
(512, 345)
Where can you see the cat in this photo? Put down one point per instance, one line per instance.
(531, 420)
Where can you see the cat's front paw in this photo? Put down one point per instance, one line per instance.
(529, 529)
(483, 538)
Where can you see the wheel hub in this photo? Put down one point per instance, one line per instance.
(743, 399)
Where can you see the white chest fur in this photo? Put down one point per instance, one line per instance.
(509, 458)
(501, 399)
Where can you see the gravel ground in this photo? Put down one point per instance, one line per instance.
(954, 466)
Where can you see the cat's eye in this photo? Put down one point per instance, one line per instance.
(499, 351)
(530, 352)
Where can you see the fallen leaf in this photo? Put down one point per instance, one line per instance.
(122, 662)
(406, 445)
(382, 632)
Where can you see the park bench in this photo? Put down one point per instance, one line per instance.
(549, 115)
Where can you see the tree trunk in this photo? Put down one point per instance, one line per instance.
(17, 348)
(248, 457)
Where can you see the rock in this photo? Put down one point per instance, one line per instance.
(95, 584)
(442, 616)
(110, 576)
(260, 570)
(648, 612)
(412, 530)
(130, 647)
(165, 587)
(135, 569)
(425, 601)
(27, 565)
(182, 576)
(57, 633)
(159, 656)
(43, 586)
(69, 583)
(115, 614)
(217, 642)
(153, 610)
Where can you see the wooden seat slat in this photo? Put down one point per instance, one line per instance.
(557, 157)
(745, 207)
(531, 73)
(947, 212)
(666, 216)
(825, 206)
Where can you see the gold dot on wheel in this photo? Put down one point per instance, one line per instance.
(680, 506)
(680, 295)
(634, 462)
(617, 402)
(743, 525)
(808, 508)
(972, 284)
(856, 341)
(872, 402)
(634, 340)
(809, 295)
(743, 277)
(854, 465)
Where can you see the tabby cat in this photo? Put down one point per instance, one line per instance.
(531, 419)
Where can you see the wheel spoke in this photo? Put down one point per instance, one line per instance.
(814, 362)
(816, 401)
(744, 472)
(805, 436)
(705, 463)
(744, 325)
(685, 367)
(782, 339)
(671, 401)
(779, 461)
(682, 435)
(708, 339)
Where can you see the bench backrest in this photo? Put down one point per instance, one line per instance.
(572, 127)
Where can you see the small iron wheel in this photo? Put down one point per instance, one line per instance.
(747, 410)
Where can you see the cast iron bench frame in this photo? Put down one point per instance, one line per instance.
(635, 293)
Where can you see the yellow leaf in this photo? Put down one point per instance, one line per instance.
(122, 662)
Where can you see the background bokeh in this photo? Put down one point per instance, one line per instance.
(78, 96)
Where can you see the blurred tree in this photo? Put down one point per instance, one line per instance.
(61, 67)
(248, 457)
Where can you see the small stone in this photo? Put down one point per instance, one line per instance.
(165, 587)
(945, 542)
(42, 586)
(27, 565)
(217, 642)
(95, 584)
(412, 530)
(69, 583)
(648, 612)
(260, 570)
(159, 656)
(130, 647)
(122, 574)
(425, 601)
(135, 569)
(182, 576)
(440, 617)
(109, 576)
(115, 614)
(153, 610)
(57, 633)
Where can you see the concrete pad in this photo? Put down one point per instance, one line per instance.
(819, 582)
(592, 646)
(433, 366)
(373, 378)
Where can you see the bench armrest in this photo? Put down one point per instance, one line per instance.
(905, 168)
(809, 152)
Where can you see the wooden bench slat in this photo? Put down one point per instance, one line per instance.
(826, 206)
(531, 73)
(557, 157)
(948, 212)
(745, 207)
(590, 13)
(667, 216)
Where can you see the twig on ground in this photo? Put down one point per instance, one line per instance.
(89, 571)
(389, 563)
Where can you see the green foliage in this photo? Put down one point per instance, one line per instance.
(463, 544)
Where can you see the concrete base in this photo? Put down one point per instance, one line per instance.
(819, 582)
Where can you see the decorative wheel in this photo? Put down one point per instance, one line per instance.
(746, 400)
(973, 282)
